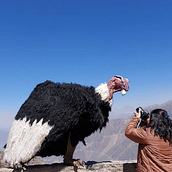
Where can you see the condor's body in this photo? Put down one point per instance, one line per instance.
(44, 121)
(53, 115)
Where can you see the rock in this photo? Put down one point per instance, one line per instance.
(38, 165)
(36, 161)
(111, 166)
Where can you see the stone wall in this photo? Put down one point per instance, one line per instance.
(38, 165)
(112, 166)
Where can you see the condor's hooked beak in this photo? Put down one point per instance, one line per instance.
(124, 86)
(123, 92)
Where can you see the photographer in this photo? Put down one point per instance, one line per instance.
(155, 140)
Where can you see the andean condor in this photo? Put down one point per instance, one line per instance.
(56, 117)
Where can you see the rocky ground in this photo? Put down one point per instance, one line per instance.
(38, 165)
(115, 166)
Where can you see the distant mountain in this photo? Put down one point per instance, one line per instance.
(125, 112)
(110, 144)
(167, 106)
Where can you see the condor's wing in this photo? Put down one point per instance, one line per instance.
(25, 140)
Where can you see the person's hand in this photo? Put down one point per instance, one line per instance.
(137, 114)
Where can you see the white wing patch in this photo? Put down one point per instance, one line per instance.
(25, 140)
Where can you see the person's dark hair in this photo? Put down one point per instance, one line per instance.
(161, 124)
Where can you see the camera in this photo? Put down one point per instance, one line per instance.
(144, 113)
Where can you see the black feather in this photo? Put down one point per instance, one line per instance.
(69, 108)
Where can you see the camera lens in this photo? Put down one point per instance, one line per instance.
(144, 113)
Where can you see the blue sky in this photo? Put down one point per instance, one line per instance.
(85, 42)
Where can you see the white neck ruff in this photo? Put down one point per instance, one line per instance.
(103, 90)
